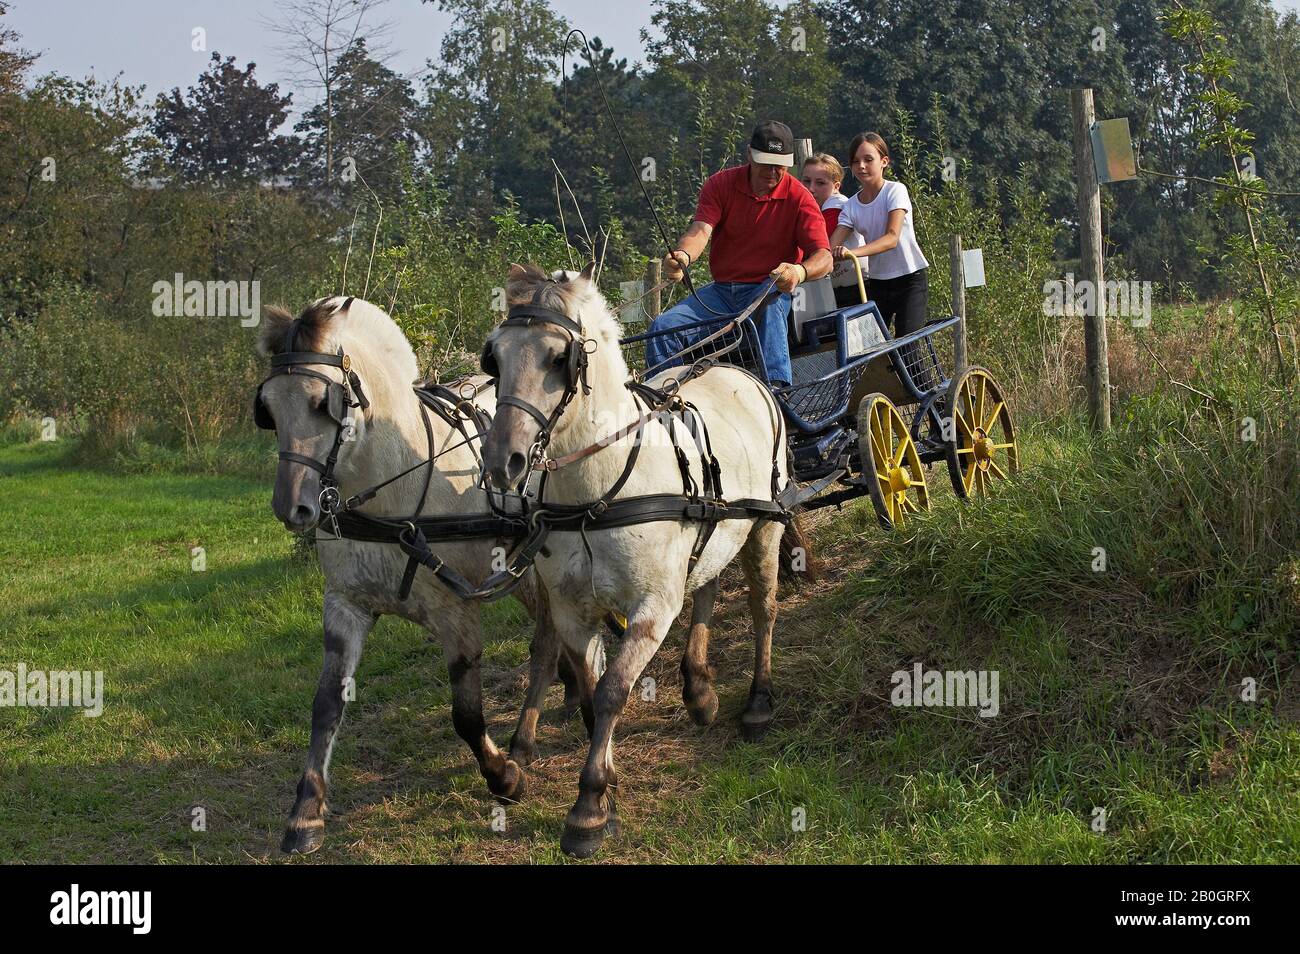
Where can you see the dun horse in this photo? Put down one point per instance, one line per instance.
(641, 571)
(303, 401)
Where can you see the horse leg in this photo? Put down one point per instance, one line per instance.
(462, 648)
(697, 675)
(346, 627)
(594, 814)
(573, 687)
(584, 685)
(543, 656)
(760, 558)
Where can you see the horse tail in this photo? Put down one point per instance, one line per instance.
(797, 561)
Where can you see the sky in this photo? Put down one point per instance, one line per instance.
(149, 41)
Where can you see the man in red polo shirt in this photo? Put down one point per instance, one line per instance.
(764, 224)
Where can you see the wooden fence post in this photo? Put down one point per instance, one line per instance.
(957, 270)
(802, 150)
(1092, 268)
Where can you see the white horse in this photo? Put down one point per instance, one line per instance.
(362, 579)
(639, 571)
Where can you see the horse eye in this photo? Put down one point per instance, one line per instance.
(322, 405)
(560, 360)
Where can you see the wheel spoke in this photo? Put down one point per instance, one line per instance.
(957, 415)
(965, 450)
(994, 465)
(1003, 446)
(879, 448)
(992, 418)
(970, 477)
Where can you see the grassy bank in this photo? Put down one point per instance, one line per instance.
(1119, 689)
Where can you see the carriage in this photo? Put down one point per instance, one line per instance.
(866, 413)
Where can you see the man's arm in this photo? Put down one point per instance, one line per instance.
(789, 274)
(693, 242)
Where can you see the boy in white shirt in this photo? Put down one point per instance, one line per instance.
(822, 175)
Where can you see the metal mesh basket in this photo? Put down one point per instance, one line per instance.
(814, 401)
(921, 360)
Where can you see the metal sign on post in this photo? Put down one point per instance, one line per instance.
(1112, 151)
(634, 310)
(972, 261)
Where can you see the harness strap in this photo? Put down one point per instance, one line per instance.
(305, 461)
(415, 545)
(523, 405)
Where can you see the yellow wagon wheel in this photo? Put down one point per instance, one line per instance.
(891, 466)
(983, 446)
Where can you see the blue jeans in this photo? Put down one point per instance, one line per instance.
(727, 299)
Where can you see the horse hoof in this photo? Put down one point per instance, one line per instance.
(303, 841)
(703, 708)
(509, 785)
(582, 842)
(523, 755)
(754, 731)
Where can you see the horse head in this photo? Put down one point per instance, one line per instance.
(558, 345)
(332, 374)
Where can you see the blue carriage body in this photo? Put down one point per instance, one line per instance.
(837, 358)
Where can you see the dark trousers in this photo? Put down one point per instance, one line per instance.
(904, 304)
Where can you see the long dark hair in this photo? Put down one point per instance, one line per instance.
(871, 137)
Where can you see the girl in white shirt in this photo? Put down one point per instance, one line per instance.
(881, 212)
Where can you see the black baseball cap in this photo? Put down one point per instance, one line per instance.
(772, 144)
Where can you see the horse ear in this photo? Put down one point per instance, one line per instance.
(276, 319)
(517, 273)
(588, 270)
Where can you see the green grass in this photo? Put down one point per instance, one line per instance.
(1115, 694)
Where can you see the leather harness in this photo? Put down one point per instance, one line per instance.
(702, 502)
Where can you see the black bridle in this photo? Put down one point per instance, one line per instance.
(339, 401)
(576, 354)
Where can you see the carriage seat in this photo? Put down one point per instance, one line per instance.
(818, 299)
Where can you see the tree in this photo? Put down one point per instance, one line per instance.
(722, 65)
(13, 61)
(224, 126)
(489, 120)
(318, 34)
(368, 125)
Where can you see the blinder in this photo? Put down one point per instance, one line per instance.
(487, 362)
(575, 353)
(261, 416)
(337, 401)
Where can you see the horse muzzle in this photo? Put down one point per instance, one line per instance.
(296, 501)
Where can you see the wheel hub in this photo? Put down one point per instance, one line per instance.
(983, 447)
(898, 480)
